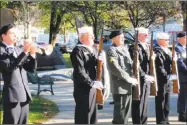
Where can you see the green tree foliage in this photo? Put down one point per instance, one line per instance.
(116, 17)
(144, 13)
(59, 15)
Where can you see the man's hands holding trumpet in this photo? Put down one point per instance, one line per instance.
(29, 47)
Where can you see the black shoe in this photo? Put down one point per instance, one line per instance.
(111, 102)
(162, 122)
(182, 117)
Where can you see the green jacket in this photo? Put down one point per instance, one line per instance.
(120, 68)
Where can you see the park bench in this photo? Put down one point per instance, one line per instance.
(35, 79)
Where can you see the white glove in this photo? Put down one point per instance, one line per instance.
(134, 81)
(98, 85)
(175, 58)
(101, 56)
(149, 78)
(153, 56)
(172, 77)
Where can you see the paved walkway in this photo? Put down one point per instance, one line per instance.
(64, 99)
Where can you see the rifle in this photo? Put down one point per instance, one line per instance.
(176, 86)
(136, 90)
(154, 86)
(99, 93)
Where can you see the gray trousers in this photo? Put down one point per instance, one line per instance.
(122, 108)
(182, 99)
(15, 113)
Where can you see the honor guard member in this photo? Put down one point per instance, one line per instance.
(120, 68)
(139, 107)
(84, 61)
(163, 63)
(182, 70)
(14, 62)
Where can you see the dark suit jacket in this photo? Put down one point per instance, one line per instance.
(144, 61)
(84, 64)
(163, 62)
(16, 88)
(181, 62)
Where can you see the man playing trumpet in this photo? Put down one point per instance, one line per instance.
(14, 62)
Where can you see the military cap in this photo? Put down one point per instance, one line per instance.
(115, 33)
(162, 35)
(142, 30)
(5, 28)
(181, 34)
(85, 29)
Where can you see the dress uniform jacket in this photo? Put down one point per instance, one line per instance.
(120, 67)
(182, 62)
(182, 71)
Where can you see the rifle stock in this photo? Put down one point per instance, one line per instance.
(136, 91)
(176, 86)
(154, 86)
(99, 94)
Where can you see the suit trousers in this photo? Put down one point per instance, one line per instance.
(122, 108)
(85, 108)
(162, 104)
(182, 99)
(140, 107)
(15, 113)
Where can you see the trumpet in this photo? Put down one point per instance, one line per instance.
(46, 51)
(42, 50)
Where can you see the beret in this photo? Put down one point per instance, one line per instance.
(115, 33)
(181, 34)
(5, 28)
(85, 29)
(162, 35)
(142, 30)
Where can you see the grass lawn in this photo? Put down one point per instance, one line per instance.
(67, 59)
(41, 110)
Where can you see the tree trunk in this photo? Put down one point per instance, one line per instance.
(95, 29)
(54, 36)
(184, 13)
(184, 23)
(54, 23)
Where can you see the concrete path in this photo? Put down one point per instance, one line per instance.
(64, 99)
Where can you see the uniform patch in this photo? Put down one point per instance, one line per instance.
(111, 59)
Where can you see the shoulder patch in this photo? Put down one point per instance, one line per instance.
(111, 59)
(111, 52)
